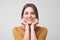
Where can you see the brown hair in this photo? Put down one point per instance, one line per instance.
(34, 8)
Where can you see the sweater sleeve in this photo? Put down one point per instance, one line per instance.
(17, 35)
(43, 34)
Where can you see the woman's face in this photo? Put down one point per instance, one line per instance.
(29, 15)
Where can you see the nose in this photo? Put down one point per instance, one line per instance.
(29, 16)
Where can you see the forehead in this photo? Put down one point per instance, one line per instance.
(29, 9)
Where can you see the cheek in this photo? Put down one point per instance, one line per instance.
(33, 16)
(24, 16)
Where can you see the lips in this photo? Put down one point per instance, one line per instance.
(29, 19)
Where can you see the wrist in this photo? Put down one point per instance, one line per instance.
(27, 27)
(32, 27)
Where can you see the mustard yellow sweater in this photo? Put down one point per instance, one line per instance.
(41, 33)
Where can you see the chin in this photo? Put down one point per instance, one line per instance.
(30, 23)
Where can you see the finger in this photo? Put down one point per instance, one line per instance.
(23, 22)
(33, 19)
(36, 21)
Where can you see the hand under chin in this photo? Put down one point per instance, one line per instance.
(29, 22)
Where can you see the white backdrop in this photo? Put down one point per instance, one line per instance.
(10, 16)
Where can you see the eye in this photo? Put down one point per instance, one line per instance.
(32, 13)
(26, 13)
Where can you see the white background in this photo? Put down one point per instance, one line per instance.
(10, 16)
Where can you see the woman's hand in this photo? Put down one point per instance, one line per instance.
(24, 22)
(26, 35)
(33, 25)
(35, 22)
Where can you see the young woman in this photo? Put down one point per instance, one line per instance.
(29, 29)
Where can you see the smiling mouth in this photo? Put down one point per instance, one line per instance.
(30, 19)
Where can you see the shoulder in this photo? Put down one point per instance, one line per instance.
(17, 28)
(42, 29)
(18, 31)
